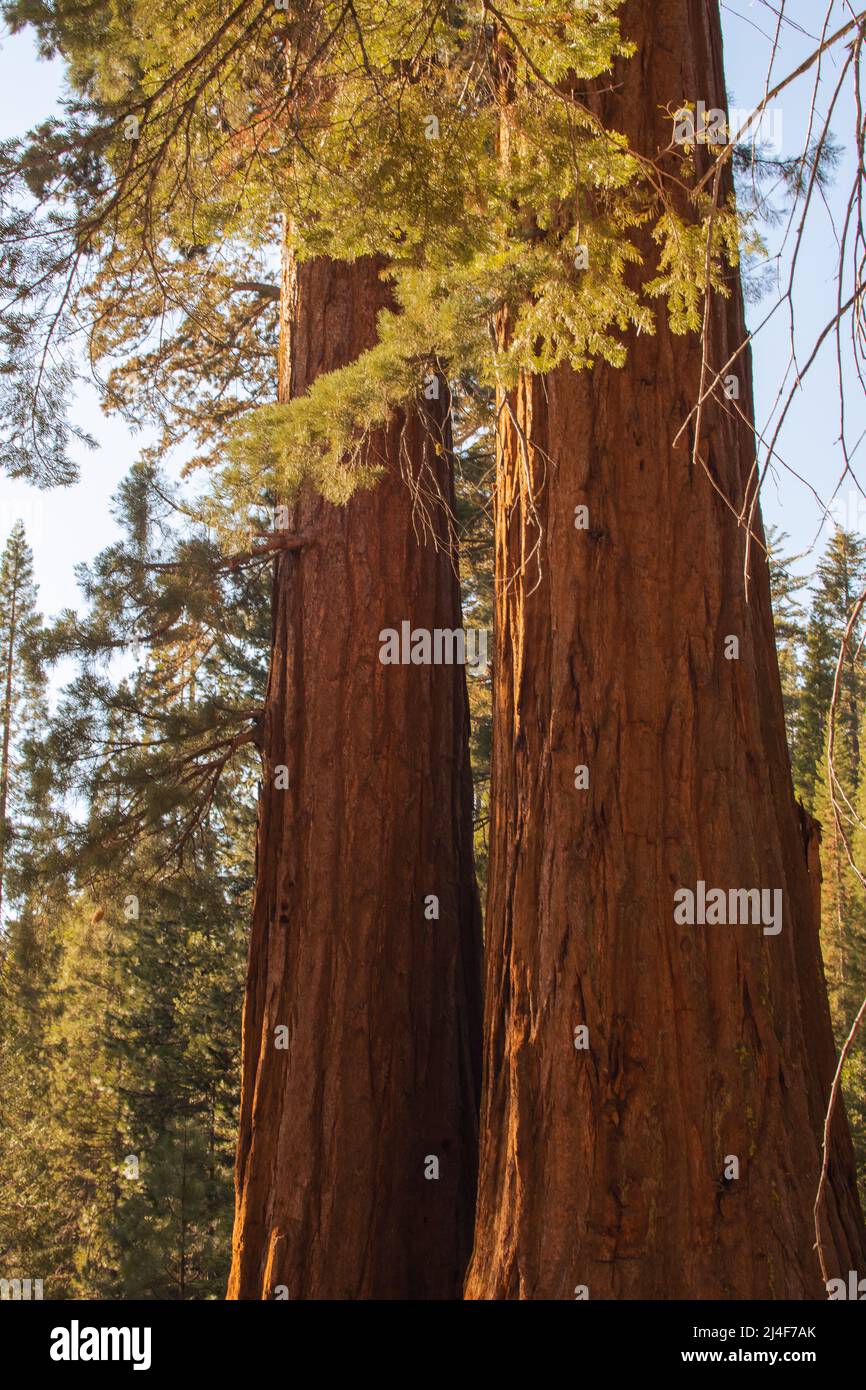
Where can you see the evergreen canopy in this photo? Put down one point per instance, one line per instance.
(147, 218)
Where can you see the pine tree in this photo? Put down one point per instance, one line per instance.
(843, 902)
(788, 625)
(121, 1002)
(841, 810)
(838, 803)
(840, 577)
(85, 1110)
(22, 694)
(171, 1038)
(156, 742)
(35, 1228)
(57, 1105)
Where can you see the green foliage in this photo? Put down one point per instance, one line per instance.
(454, 142)
(120, 1041)
(843, 916)
(840, 577)
(808, 659)
(150, 249)
(122, 968)
(693, 255)
(788, 620)
(23, 707)
(473, 414)
(33, 1234)
(157, 731)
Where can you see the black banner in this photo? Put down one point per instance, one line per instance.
(90, 1340)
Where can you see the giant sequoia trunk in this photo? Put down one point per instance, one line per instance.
(609, 1167)
(379, 1074)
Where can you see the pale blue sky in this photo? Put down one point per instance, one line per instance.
(64, 525)
(69, 525)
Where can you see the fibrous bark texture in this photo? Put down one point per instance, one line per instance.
(336, 1196)
(607, 1167)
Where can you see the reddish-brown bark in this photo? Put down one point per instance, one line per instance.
(605, 1168)
(382, 1005)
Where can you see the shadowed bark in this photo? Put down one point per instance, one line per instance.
(382, 1006)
